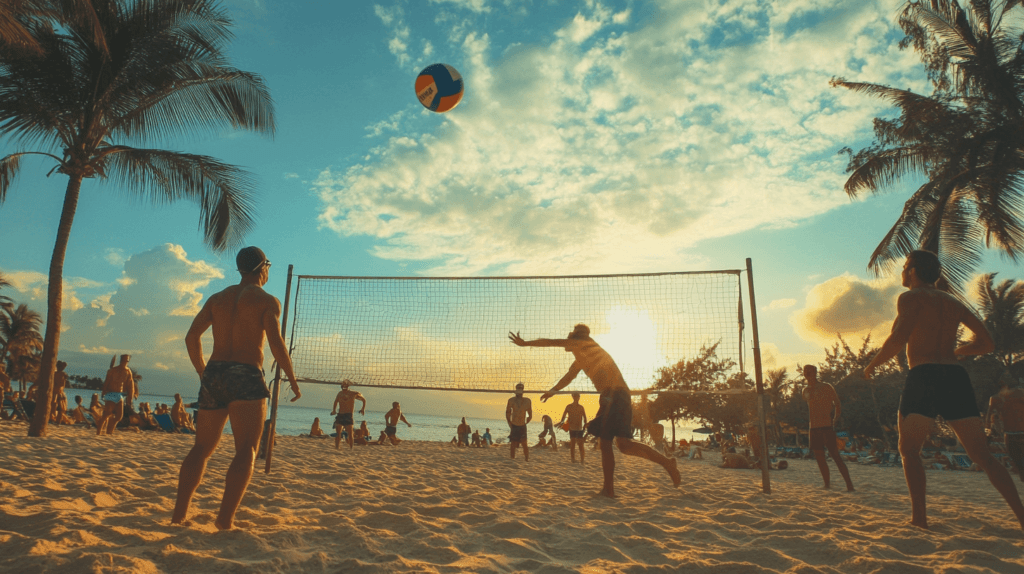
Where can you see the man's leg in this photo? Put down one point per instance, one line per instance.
(607, 467)
(971, 433)
(819, 457)
(348, 436)
(580, 444)
(914, 429)
(337, 436)
(526, 450)
(631, 448)
(833, 451)
(209, 429)
(247, 427)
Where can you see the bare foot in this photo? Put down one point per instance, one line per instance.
(673, 471)
(922, 524)
(604, 493)
(221, 526)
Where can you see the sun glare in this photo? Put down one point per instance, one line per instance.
(632, 342)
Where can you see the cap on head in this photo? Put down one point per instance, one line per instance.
(250, 259)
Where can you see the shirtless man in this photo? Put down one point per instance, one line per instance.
(118, 387)
(344, 404)
(391, 419)
(463, 431)
(518, 413)
(1008, 404)
(821, 399)
(614, 418)
(60, 382)
(232, 386)
(179, 416)
(574, 419)
(926, 325)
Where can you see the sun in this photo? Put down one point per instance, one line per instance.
(632, 341)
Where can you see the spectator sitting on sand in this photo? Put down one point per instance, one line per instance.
(145, 417)
(486, 438)
(734, 460)
(315, 431)
(78, 413)
(180, 416)
(361, 434)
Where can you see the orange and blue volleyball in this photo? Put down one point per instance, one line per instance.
(439, 87)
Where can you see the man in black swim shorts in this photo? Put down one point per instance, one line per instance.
(518, 414)
(926, 325)
(391, 419)
(574, 417)
(615, 416)
(344, 404)
(231, 386)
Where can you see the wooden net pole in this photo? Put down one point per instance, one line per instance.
(276, 390)
(766, 484)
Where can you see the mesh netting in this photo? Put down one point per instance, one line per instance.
(452, 333)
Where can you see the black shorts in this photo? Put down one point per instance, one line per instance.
(390, 430)
(517, 433)
(937, 389)
(576, 434)
(343, 419)
(822, 437)
(615, 416)
(227, 381)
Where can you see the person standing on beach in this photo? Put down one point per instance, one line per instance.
(518, 413)
(391, 419)
(232, 384)
(574, 419)
(463, 431)
(180, 416)
(614, 418)
(1008, 405)
(926, 325)
(60, 382)
(821, 399)
(344, 404)
(118, 388)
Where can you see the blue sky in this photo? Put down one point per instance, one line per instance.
(594, 137)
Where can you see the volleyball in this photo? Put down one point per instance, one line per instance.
(439, 87)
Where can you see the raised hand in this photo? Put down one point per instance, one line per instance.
(515, 338)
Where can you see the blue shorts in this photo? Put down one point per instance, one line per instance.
(114, 397)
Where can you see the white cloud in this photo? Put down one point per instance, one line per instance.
(115, 256)
(478, 6)
(780, 304)
(622, 152)
(847, 306)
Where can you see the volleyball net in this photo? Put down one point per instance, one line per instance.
(451, 333)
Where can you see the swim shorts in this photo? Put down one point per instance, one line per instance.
(576, 434)
(343, 419)
(821, 437)
(937, 389)
(114, 397)
(390, 430)
(227, 381)
(1015, 448)
(518, 433)
(615, 416)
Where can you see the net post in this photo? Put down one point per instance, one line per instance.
(766, 484)
(277, 377)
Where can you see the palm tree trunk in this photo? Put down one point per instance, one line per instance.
(54, 294)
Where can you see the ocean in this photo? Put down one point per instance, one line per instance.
(293, 421)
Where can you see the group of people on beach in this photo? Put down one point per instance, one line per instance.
(243, 316)
(343, 409)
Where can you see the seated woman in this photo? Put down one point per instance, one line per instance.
(315, 431)
(549, 431)
(145, 418)
(361, 435)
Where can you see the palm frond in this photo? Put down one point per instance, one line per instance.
(904, 236)
(223, 192)
(884, 168)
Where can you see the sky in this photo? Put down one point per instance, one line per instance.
(593, 138)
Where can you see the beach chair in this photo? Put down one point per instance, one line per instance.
(18, 409)
(165, 422)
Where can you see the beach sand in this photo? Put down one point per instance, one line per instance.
(73, 502)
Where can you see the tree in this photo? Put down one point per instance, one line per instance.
(965, 139)
(128, 71)
(711, 392)
(1002, 311)
(19, 330)
(775, 387)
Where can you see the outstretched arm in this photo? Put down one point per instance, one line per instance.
(405, 421)
(567, 378)
(515, 338)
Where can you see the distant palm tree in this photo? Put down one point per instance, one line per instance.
(19, 330)
(163, 71)
(965, 139)
(776, 383)
(6, 303)
(1002, 310)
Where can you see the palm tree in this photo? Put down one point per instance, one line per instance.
(775, 385)
(966, 138)
(160, 69)
(19, 330)
(1002, 310)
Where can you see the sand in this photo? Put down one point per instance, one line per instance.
(73, 502)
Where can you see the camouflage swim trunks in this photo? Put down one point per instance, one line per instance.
(226, 381)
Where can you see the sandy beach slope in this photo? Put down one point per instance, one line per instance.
(74, 503)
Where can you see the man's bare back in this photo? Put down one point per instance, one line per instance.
(931, 319)
(239, 316)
